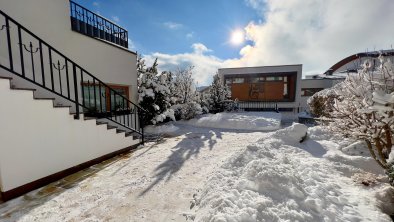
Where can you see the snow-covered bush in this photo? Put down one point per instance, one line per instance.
(204, 101)
(187, 111)
(321, 103)
(363, 108)
(154, 93)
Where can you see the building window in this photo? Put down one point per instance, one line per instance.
(309, 91)
(257, 79)
(238, 80)
(100, 98)
(274, 78)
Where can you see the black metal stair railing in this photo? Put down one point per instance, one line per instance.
(89, 23)
(56, 73)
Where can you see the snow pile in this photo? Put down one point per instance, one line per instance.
(242, 121)
(280, 179)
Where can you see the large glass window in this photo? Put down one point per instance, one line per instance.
(94, 97)
(117, 102)
(100, 99)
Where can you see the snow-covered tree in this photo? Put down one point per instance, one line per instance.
(154, 93)
(184, 88)
(363, 108)
(204, 101)
(184, 95)
(218, 94)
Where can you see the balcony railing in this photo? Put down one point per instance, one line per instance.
(89, 23)
(258, 106)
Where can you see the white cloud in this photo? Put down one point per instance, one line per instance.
(115, 18)
(172, 25)
(205, 66)
(96, 4)
(200, 48)
(315, 33)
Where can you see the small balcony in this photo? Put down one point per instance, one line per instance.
(89, 23)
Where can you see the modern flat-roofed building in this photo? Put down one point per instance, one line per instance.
(264, 87)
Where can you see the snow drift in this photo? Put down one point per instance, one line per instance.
(280, 179)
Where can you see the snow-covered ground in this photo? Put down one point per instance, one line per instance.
(259, 121)
(204, 174)
(155, 183)
(277, 178)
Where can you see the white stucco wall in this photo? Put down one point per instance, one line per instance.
(315, 83)
(38, 140)
(271, 69)
(50, 20)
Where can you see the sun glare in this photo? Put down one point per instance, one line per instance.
(237, 37)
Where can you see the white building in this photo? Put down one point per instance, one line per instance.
(313, 84)
(338, 72)
(68, 86)
(354, 62)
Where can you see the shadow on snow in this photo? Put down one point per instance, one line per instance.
(187, 148)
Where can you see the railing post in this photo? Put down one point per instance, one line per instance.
(42, 64)
(76, 92)
(7, 24)
(21, 51)
(141, 123)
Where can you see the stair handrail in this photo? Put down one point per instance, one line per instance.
(67, 60)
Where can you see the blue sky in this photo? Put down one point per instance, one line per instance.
(315, 33)
(173, 26)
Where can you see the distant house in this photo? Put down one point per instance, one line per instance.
(354, 62)
(314, 83)
(264, 87)
(338, 72)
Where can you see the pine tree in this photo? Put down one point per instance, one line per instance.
(219, 94)
(154, 93)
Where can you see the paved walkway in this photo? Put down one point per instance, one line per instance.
(155, 183)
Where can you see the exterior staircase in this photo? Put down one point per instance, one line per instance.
(72, 121)
(31, 66)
